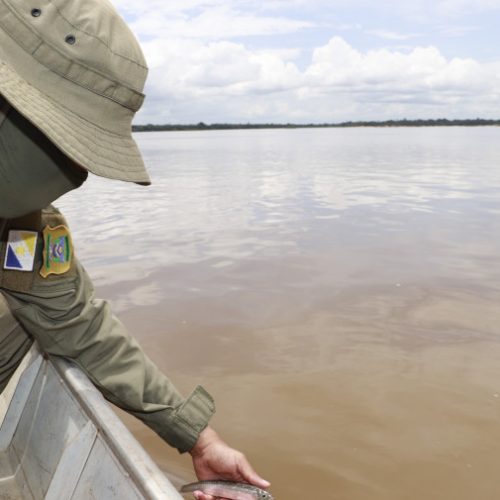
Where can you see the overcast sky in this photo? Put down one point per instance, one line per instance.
(317, 60)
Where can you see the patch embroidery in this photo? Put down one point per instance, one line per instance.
(21, 249)
(57, 251)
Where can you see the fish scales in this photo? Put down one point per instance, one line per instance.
(228, 490)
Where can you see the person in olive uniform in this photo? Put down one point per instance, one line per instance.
(71, 80)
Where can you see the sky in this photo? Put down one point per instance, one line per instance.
(316, 61)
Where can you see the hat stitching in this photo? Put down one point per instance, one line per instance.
(103, 152)
(63, 108)
(79, 28)
(136, 98)
(85, 122)
(37, 47)
(28, 35)
(105, 158)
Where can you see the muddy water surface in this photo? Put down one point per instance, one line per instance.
(337, 291)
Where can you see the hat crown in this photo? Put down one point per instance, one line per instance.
(103, 40)
(75, 71)
(85, 41)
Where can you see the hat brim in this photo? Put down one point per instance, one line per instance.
(99, 151)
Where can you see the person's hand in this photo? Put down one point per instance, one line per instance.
(214, 459)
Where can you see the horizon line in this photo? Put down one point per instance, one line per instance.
(345, 124)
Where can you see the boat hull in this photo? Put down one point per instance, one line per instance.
(59, 439)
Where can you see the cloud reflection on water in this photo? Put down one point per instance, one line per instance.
(228, 196)
(345, 281)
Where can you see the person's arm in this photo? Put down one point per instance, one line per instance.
(214, 459)
(66, 320)
(62, 314)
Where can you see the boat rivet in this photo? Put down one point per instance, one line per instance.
(71, 39)
(36, 12)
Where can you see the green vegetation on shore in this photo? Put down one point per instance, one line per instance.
(442, 122)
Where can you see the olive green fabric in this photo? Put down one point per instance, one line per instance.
(14, 343)
(15, 280)
(65, 318)
(29, 160)
(75, 70)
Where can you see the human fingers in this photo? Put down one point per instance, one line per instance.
(199, 495)
(249, 474)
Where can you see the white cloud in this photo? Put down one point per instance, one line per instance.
(426, 9)
(457, 7)
(337, 65)
(458, 31)
(204, 68)
(391, 35)
(225, 81)
(430, 9)
(217, 19)
(191, 67)
(217, 23)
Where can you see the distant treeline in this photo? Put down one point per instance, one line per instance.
(389, 123)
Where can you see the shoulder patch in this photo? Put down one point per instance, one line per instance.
(57, 251)
(20, 251)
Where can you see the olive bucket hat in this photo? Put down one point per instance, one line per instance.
(75, 70)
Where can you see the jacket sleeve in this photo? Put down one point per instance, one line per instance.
(67, 320)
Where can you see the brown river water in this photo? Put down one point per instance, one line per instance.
(336, 290)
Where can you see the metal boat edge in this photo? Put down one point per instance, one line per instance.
(60, 439)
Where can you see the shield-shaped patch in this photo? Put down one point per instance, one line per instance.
(57, 251)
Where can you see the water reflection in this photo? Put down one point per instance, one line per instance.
(337, 290)
(231, 195)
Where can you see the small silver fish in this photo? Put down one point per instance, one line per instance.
(228, 490)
